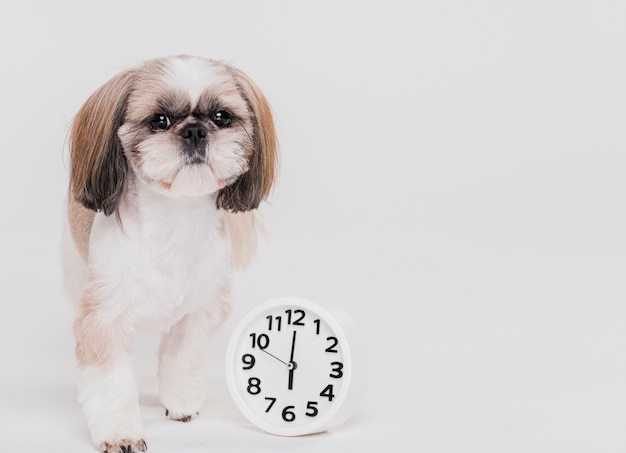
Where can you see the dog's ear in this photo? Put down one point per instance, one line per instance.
(247, 192)
(98, 166)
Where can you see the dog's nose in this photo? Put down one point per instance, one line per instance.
(193, 134)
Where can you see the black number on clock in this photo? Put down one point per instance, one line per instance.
(288, 414)
(337, 370)
(297, 318)
(254, 386)
(272, 401)
(317, 323)
(334, 344)
(262, 341)
(271, 319)
(311, 407)
(248, 360)
(328, 392)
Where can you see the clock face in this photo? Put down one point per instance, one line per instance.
(288, 368)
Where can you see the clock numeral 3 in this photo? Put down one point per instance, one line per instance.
(337, 370)
(254, 386)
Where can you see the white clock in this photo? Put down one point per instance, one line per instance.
(296, 367)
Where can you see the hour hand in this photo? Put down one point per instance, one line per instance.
(292, 365)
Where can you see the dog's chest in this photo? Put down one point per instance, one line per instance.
(166, 262)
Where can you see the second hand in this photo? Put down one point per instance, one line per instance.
(272, 355)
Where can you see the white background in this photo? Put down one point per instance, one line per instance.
(453, 174)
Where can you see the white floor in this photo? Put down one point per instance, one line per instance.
(533, 362)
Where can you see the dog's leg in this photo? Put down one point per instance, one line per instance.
(183, 357)
(107, 388)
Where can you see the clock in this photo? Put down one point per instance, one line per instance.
(295, 366)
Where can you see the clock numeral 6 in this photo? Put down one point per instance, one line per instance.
(288, 414)
(248, 361)
(337, 370)
(254, 386)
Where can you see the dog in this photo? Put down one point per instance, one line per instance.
(168, 162)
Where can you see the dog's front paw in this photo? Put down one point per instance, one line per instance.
(179, 416)
(124, 446)
(182, 395)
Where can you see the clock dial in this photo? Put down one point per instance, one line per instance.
(289, 366)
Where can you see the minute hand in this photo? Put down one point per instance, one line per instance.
(292, 364)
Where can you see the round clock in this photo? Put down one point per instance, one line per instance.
(296, 367)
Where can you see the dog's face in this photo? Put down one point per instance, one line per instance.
(188, 130)
(183, 126)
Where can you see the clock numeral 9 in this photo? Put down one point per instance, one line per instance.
(262, 341)
(254, 386)
(337, 370)
(248, 361)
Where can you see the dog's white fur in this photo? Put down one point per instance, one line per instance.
(164, 259)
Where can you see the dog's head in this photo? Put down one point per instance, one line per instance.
(183, 126)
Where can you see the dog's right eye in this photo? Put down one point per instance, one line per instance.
(160, 122)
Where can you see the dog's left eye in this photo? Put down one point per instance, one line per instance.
(222, 118)
(160, 122)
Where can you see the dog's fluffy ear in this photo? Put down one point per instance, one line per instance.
(98, 166)
(247, 192)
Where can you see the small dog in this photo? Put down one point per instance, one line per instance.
(167, 163)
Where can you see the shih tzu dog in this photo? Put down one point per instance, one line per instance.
(167, 162)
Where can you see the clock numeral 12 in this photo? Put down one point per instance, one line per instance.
(297, 318)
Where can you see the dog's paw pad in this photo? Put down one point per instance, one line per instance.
(124, 446)
(185, 418)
